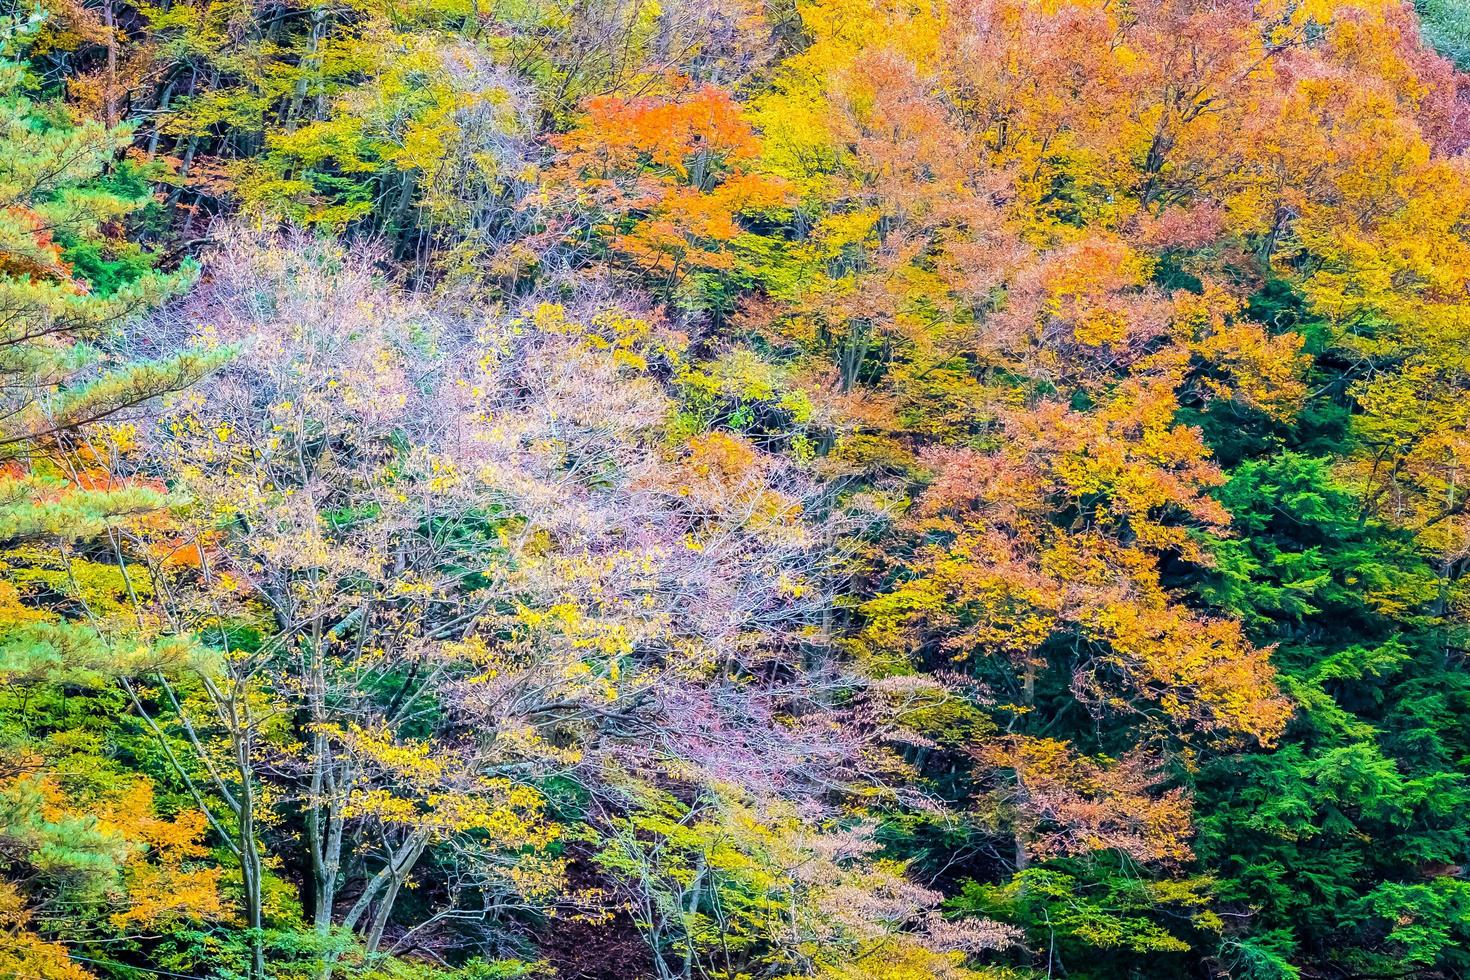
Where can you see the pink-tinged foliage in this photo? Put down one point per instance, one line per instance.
(485, 564)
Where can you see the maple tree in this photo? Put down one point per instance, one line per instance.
(666, 180)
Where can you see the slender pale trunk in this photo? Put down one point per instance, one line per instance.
(109, 98)
(250, 865)
(390, 893)
(163, 100)
(309, 63)
(853, 353)
(385, 884)
(694, 890)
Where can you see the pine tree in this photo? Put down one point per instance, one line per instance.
(61, 364)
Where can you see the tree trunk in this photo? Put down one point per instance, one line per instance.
(109, 97)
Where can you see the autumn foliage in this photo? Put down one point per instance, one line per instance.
(852, 489)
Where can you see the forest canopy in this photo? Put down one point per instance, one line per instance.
(757, 490)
